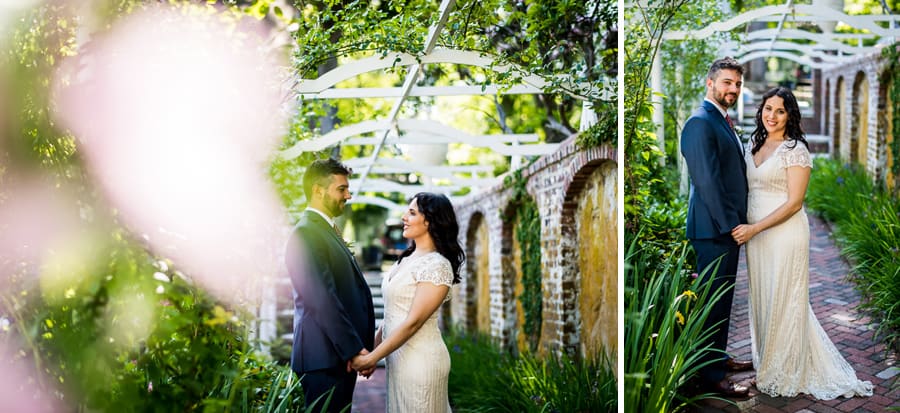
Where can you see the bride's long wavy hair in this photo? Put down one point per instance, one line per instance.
(443, 228)
(792, 131)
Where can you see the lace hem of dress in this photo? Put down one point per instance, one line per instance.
(796, 156)
(827, 392)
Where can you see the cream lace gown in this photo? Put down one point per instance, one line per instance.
(418, 371)
(791, 352)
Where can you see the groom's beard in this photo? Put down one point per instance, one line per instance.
(720, 98)
(334, 207)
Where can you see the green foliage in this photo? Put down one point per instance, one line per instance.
(645, 25)
(528, 234)
(867, 228)
(604, 131)
(665, 311)
(485, 379)
(131, 335)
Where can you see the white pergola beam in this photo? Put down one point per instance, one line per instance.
(415, 167)
(738, 49)
(803, 60)
(384, 185)
(821, 41)
(312, 87)
(420, 91)
(427, 131)
(424, 138)
(798, 12)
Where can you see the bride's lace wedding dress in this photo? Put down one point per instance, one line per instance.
(791, 352)
(418, 371)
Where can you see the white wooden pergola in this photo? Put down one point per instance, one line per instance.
(791, 39)
(436, 175)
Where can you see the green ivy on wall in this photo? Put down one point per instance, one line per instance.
(528, 234)
(892, 56)
(604, 131)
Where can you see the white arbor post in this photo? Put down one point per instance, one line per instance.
(656, 98)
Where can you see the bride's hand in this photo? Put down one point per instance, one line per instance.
(743, 233)
(363, 364)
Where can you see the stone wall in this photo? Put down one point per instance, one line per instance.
(855, 101)
(576, 197)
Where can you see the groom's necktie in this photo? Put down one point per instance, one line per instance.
(337, 230)
(731, 125)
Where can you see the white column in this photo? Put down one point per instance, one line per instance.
(588, 116)
(656, 99)
(684, 178)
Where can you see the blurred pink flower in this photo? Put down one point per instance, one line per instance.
(177, 115)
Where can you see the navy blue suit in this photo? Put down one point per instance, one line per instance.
(333, 313)
(718, 203)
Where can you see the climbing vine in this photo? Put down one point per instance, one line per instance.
(604, 131)
(528, 234)
(892, 56)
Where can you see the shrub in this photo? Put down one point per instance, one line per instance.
(867, 228)
(128, 334)
(484, 378)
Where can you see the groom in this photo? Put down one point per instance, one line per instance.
(334, 320)
(718, 203)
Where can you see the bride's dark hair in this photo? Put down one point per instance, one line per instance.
(442, 227)
(792, 130)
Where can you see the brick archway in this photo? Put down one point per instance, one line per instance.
(859, 126)
(590, 251)
(826, 109)
(840, 108)
(477, 286)
(886, 132)
(514, 335)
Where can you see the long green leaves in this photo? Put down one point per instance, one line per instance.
(485, 379)
(665, 312)
(867, 228)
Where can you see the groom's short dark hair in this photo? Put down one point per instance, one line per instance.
(319, 171)
(724, 63)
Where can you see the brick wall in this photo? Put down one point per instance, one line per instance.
(555, 182)
(858, 89)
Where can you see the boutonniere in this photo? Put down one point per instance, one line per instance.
(349, 244)
(739, 132)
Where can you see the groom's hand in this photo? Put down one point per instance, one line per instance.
(355, 359)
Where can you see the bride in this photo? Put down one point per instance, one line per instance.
(418, 363)
(791, 352)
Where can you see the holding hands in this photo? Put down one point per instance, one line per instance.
(363, 363)
(743, 233)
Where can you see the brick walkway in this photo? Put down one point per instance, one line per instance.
(834, 301)
(369, 394)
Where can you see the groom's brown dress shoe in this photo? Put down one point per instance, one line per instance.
(729, 388)
(734, 365)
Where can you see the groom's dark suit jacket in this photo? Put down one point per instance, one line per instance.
(333, 313)
(718, 201)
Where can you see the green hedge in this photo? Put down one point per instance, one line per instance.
(485, 378)
(866, 226)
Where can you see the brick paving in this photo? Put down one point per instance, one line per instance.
(834, 300)
(369, 394)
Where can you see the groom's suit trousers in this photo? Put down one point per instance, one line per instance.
(719, 273)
